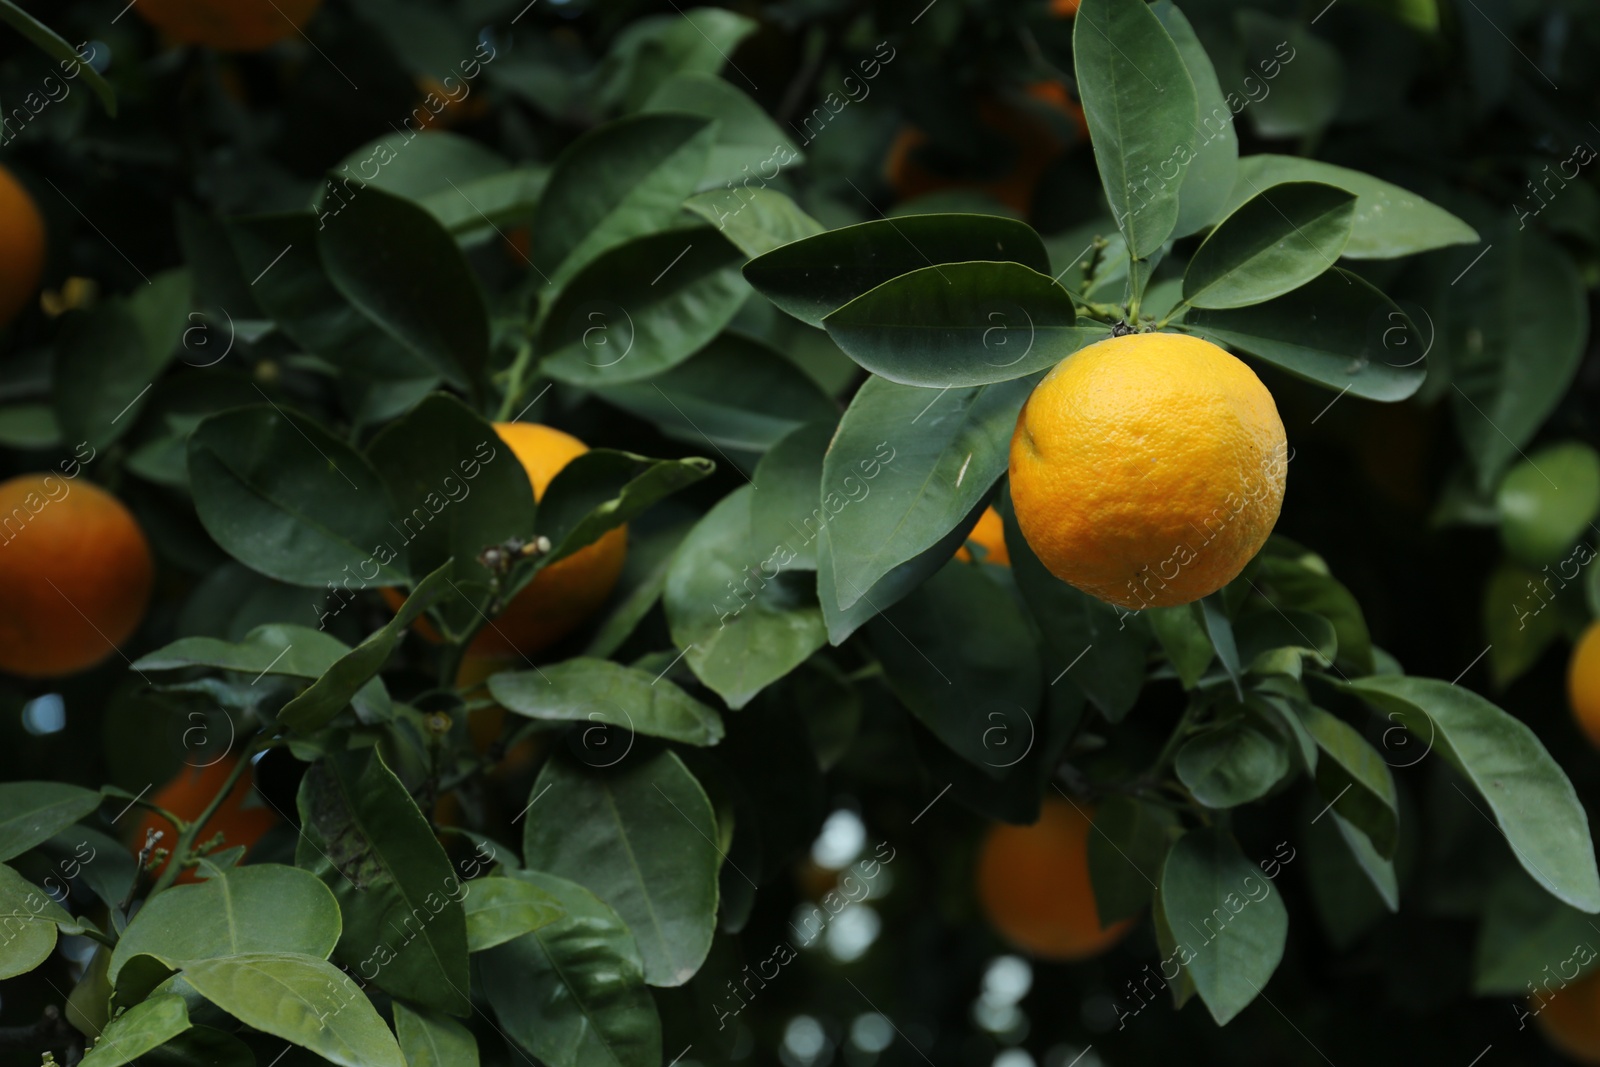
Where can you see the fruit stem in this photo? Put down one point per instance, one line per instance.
(516, 386)
(187, 835)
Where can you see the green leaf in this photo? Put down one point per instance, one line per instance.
(285, 497)
(401, 269)
(1516, 623)
(1389, 221)
(106, 358)
(339, 684)
(787, 479)
(1219, 629)
(502, 909)
(755, 220)
(736, 393)
(597, 690)
(651, 49)
(202, 1045)
(616, 183)
(642, 837)
(812, 278)
(1275, 242)
(428, 1039)
(603, 489)
(1277, 640)
(1181, 987)
(1098, 647)
(1516, 338)
(1528, 938)
(1342, 889)
(29, 920)
(457, 488)
(1141, 109)
(33, 812)
(958, 653)
(363, 835)
(1547, 502)
(1306, 91)
(1184, 640)
(573, 993)
(743, 621)
(1208, 180)
(29, 426)
(301, 999)
(945, 452)
(1354, 778)
(406, 165)
(141, 1029)
(746, 142)
(1336, 330)
(263, 907)
(1230, 926)
(1231, 764)
(1296, 579)
(485, 208)
(1525, 791)
(1126, 849)
(68, 58)
(961, 324)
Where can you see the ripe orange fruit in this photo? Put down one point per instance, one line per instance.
(21, 246)
(563, 595)
(1583, 683)
(1064, 9)
(1570, 1018)
(1148, 469)
(75, 575)
(990, 535)
(241, 818)
(455, 107)
(1033, 883)
(1036, 145)
(228, 25)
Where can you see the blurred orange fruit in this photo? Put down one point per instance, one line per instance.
(452, 111)
(75, 575)
(1064, 9)
(1571, 1018)
(1583, 683)
(990, 535)
(1033, 883)
(241, 818)
(22, 246)
(228, 25)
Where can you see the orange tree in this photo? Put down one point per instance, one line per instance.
(555, 517)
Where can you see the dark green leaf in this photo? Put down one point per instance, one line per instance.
(1305, 94)
(1141, 109)
(596, 690)
(141, 1029)
(746, 142)
(1230, 926)
(29, 920)
(285, 497)
(1184, 640)
(1336, 330)
(603, 489)
(1208, 180)
(812, 278)
(1276, 241)
(501, 909)
(68, 58)
(642, 837)
(755, 220)
(1528, 939)
(1354, 779)
(363, 835)
(428, 1039)
(573, 993)
(1547, 501)
(1525, 791)
(961, 324)
(1126, 849)
(33, 812)
(1231, 764)
(1296, 579)
(787, 478)
(1219, 628)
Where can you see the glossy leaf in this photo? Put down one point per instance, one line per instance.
(33, 812)
(363, 835)
(755, 220)
(1208, 180)
(978, 687)
(932, 456)
(29, 920)
(642, 308)
(961, 324)
(301, 999)
(1296, 579)
(1141, 109)
(642, 837)
(1336, 330)
(428, 1039)
(141, 1029)
(1389, 221)
(603, 489)
(400, 268)
(264, 907)
(285, 497)
(597, 690)
(1275, 242)
(616, 183)
(786, 479)
(1354, 778)
(812, 278)
(1184, 640)
(746, 146)
(742, 620)
(502, 909)
(1232, 764)
(573, 993)
(1229, 922)
(1522, 788)
(736, 394)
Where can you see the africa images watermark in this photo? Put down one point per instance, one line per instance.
(28, 509)
(1581, 556)
(33, 104)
